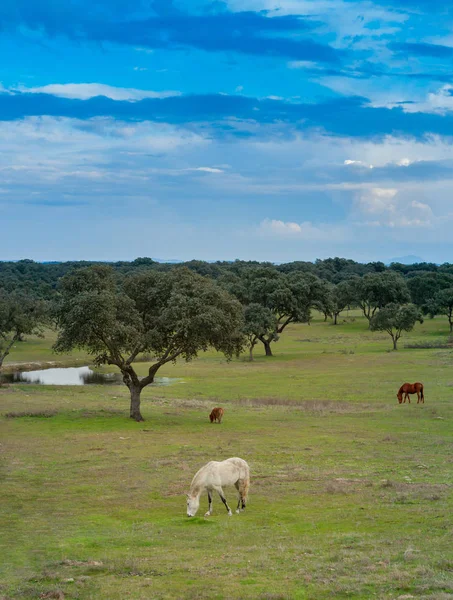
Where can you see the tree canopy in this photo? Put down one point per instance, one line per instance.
(376, 290)
(442, 304)
(169, 315)
(341, 296)
(425, 285)
(394, 319)
(289, 298)
(20, 314)
(259, 321)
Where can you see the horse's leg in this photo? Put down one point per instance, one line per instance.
(222, 497)
(418, 397)
(408, 398)
(209, 513)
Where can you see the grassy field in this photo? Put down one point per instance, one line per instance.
(351, 493)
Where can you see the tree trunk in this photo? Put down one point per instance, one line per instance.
(251, 352)
(395, 342)
(267, 347)
(135, 403)
(335, 317)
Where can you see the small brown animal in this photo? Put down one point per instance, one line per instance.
(411, 388)
(216, 415)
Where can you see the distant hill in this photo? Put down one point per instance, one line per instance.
(410, 259)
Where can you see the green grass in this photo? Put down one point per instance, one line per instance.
(39, 350)
(351, 493)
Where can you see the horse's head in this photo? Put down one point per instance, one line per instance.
(400, 397)
(193, 504)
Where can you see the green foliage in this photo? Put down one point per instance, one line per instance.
(42, 279)
(376, 290)
(20, 314)
(324, 302)
(442, 304)
(167, 315)
(259, 321)
(394, 319)
(289, 298)
(424, 286)
(341, 296)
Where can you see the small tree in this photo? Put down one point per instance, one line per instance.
(258, 322)
(20, 314)
(341, 296)
(288, 297)
(394, 319)
(376, 290)
(169, 315)
(325, 300)
(442, 304)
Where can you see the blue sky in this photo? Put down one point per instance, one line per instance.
(257, 129)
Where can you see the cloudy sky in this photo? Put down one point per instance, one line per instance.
(257, 129)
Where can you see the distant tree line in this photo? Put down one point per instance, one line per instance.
(42, 278)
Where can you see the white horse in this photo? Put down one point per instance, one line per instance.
(214, 475)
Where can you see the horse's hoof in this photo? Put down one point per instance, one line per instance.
(238, 511)
(230, 514)
(208, 514)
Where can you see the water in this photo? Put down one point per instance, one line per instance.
(75, 376)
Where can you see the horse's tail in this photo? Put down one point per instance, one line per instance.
(246, 484)
(421, 392)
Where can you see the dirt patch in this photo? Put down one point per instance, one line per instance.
(82, 563)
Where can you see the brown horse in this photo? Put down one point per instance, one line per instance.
(411, 388)
(216, 415)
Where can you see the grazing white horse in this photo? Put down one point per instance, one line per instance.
(214, 475)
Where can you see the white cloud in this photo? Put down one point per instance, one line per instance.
(387, 208)
(358, 163)
(303, 64)
(378, 200)
(305, 231)
(84, 91)
(438, 102)
(206, 169)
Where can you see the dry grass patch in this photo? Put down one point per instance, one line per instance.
(40, 414)
(314, 407)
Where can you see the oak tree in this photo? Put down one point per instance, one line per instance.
(394, 319)
(169, 315)
(20, 315)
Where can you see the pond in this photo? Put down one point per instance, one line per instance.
(75, 376)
